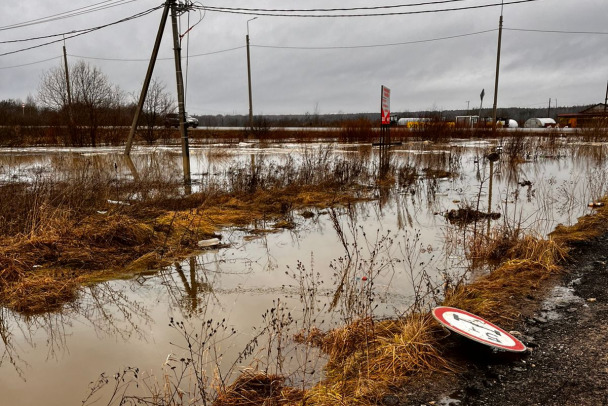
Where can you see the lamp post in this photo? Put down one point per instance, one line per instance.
(249, 76)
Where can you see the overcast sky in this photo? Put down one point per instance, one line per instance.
(437, 75)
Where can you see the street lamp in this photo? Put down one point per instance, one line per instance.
(249, 76)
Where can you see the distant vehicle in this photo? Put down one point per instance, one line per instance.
(412, 122)
(172, 120)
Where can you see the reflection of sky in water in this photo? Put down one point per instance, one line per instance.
(125, 323)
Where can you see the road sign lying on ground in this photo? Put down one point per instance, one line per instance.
(477, 329)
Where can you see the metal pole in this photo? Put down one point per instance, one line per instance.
(249, 76)
(497, 73)
(144, 89)
(180, 95)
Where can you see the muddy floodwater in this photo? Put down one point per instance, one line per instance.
(395, 243)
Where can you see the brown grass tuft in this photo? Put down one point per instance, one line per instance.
(257, 388)
(368, 358)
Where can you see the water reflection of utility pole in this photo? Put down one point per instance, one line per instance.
(131, 167)
(490, 194)
(191, 287)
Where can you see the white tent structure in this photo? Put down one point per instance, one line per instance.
(539, 123)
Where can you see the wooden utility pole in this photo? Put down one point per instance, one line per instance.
(549, 109)
(67, 83)
(497, 71)
(183, 129)
(249, 77)
(606, 99)
(144, 89)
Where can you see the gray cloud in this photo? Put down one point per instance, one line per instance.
(442, 74)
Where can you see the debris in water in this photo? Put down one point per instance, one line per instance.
(211, 242)
(468, 215)
(596, 204)
(119, 202)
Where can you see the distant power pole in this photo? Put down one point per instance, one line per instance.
(606, 99)
(497, 69)
(481, 95)
(468, 101)
(249, 77)
(549, 109)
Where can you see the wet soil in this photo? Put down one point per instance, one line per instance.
(567, 362)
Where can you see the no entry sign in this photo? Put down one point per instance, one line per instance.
(477, 329)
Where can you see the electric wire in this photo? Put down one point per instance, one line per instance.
(379, 45)
(68, 14)
(133, 17)
(397, 13)
(317, 47)
(30, 63)
(557, 31)
(326, 10)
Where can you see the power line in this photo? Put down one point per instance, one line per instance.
(557, 31)
(28, 64)
(380, 45)
(273, 14)
(158, 59)
(87, 31)
(321, 47)
(306, 10)
(68, 14)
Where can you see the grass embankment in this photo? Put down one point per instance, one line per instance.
(370, 359)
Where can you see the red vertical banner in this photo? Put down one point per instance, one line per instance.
(385, 105)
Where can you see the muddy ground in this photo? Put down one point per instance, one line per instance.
(567, 361)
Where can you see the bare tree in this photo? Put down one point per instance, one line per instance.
(157, 104)
(52, 90)
(94, 99)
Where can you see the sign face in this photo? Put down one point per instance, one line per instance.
(477, 329)
(385, 105)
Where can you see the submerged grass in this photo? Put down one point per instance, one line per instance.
(57, 234)
(369, 359)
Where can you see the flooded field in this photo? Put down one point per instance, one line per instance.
(241, 304)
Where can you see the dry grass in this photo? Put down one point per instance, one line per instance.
(586, 228)
(257, 388)
(367, 358)
(72, 249)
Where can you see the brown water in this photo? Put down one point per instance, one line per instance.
(52, 358)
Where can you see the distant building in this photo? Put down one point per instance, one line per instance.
(594, 116)
(539, 123)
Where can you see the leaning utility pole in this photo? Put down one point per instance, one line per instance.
(497, 70)
(67, 83)
(170, 5)
(180, 94)
(144, 89)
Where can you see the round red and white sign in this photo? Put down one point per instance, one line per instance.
(477, 329)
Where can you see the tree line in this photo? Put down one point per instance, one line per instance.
(95, 108)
